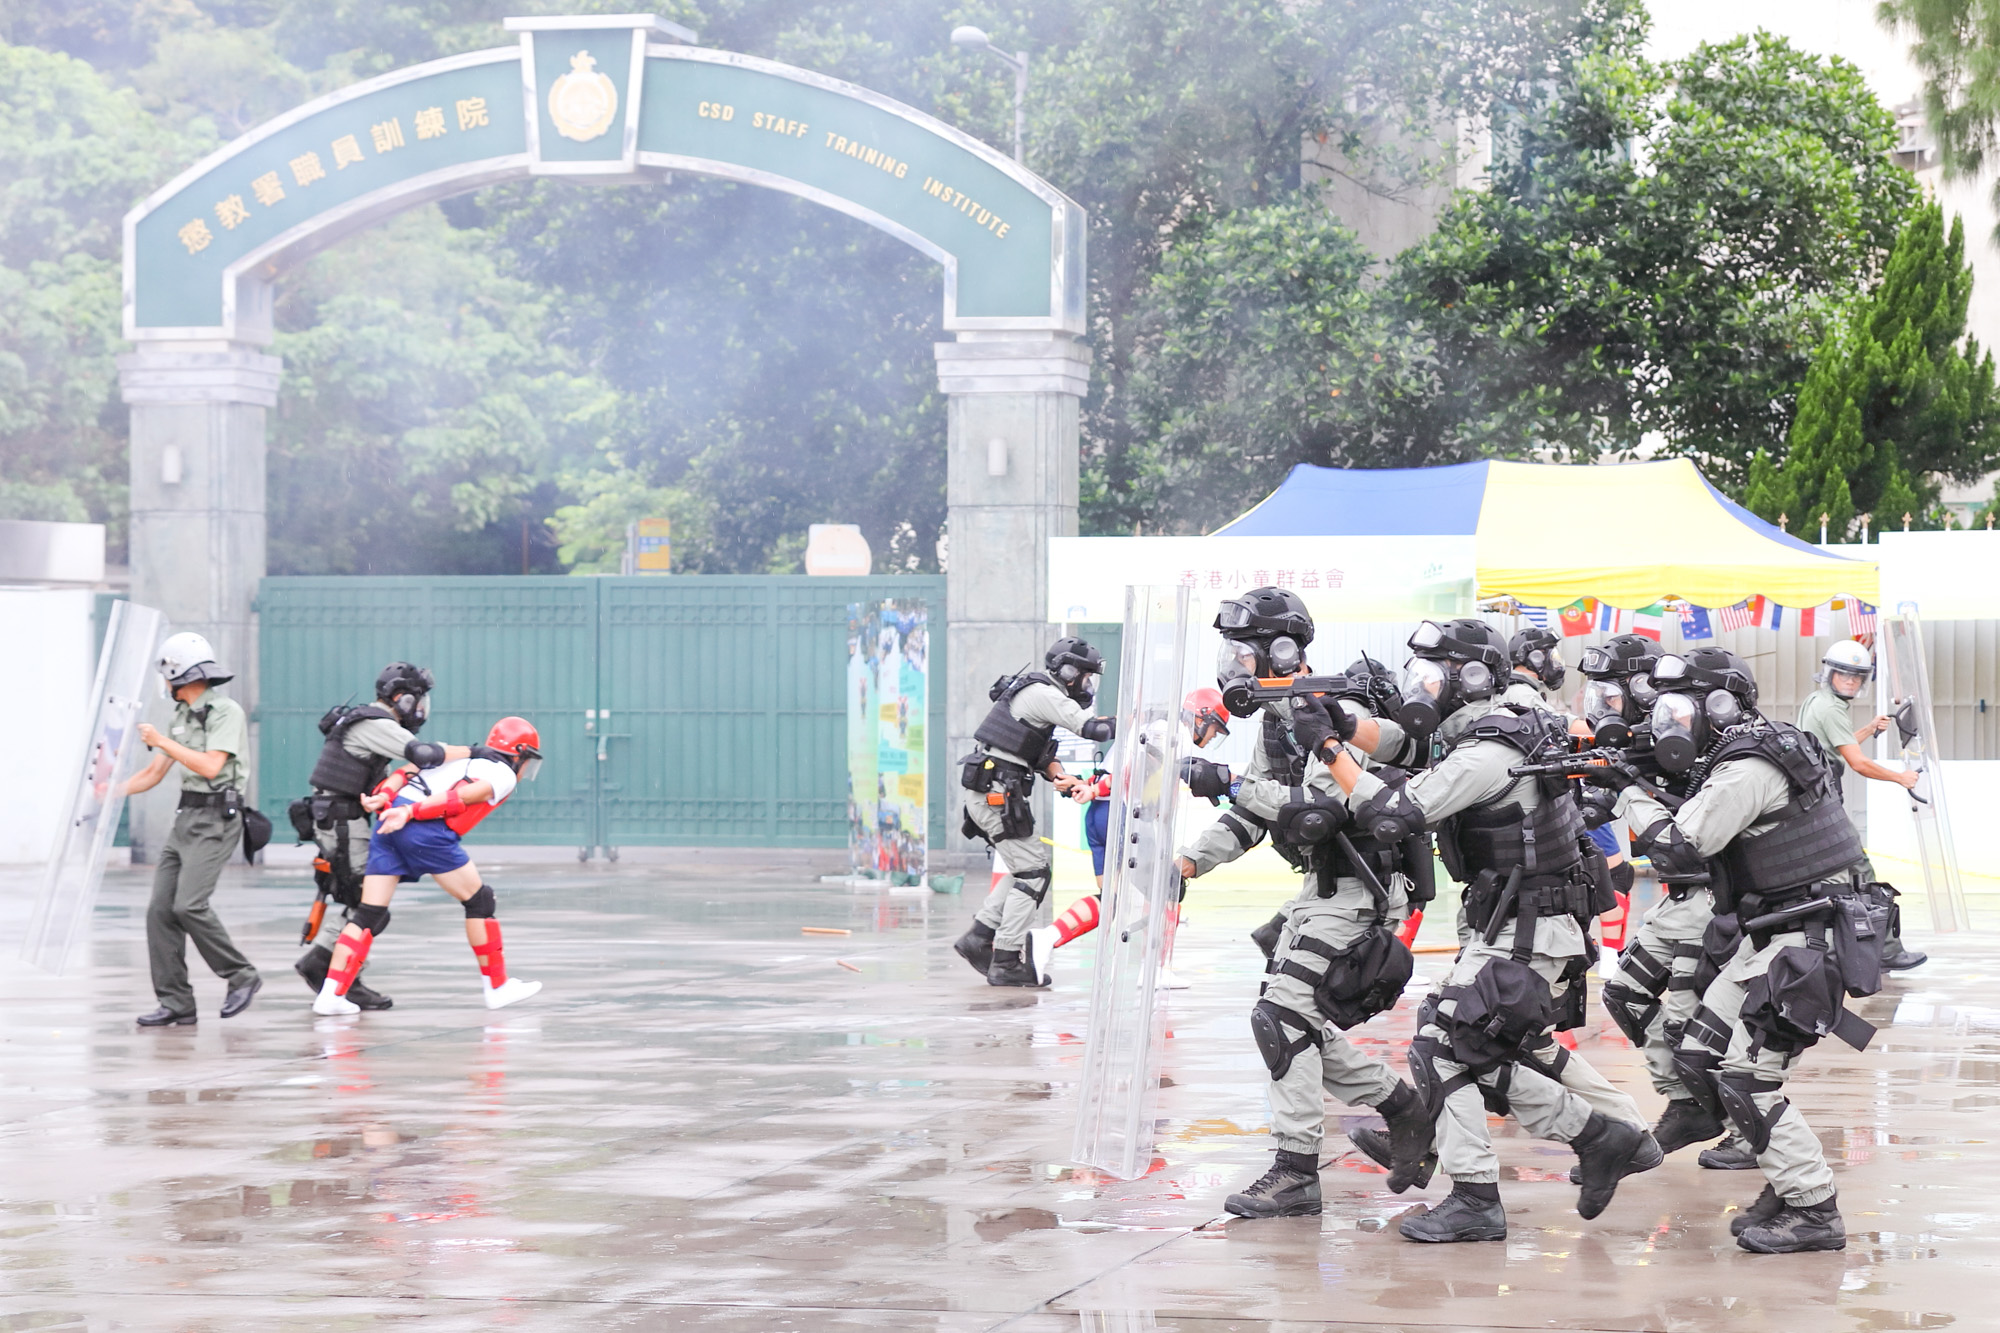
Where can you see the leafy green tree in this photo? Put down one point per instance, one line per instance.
(1658, 252)
(75, 152)
(1897, 398)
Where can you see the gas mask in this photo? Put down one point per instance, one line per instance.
(1425, 690)
(411, 710)
(1683, 726)
(1604, 705)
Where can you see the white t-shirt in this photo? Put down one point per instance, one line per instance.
(436, 781)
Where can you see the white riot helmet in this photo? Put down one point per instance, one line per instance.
(186, 658)
(1846, 663)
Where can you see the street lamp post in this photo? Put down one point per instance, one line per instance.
(974, 39)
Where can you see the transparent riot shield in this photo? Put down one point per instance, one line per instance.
(1121, 1072)
(61, 917)
(1906, 680)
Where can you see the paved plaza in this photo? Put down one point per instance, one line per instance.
(709, 1120)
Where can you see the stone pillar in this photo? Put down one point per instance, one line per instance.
(1011, 484)
(197, 521)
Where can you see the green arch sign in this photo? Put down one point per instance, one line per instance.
(615, 98)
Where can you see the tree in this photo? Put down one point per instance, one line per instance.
(1957, 46)
(1898, 397)
(1658, 252)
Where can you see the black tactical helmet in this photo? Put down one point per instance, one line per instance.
(1451, 664)
(406, 687)
(1264, 613)
(1074, 663)
(1463, 640)
(1701, 670)
(1620, 656)
(1536, 649)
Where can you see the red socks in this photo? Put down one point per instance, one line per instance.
(1080, 919)
(343, 977)
(492, 959)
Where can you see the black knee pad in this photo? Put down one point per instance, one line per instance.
(373, 919)
(1735, 1092)
(1696, 1070)
(479, 907)
(1268, 1022)
(1643, 971)
(1631, 1010)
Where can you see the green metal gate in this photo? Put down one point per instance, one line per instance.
(673, 711)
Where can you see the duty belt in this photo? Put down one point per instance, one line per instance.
(327, 807)
(194, 799)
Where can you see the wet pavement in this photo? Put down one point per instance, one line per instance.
(709, 1120)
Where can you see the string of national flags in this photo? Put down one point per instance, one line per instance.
(1587, 615)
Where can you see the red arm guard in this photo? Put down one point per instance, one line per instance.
(392, 784)
(439, 807)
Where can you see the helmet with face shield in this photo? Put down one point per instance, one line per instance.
(1618, 686)
(1701, 694)
(1264, 635)
(1846, 668)
(1451, 665)
(1204, 716)
(1075, 665)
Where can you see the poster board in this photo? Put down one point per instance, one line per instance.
(888, 693)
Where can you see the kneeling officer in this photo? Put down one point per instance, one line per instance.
(1016, 742)
(362, 745)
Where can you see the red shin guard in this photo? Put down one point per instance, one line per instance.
(492, 959)
(343, 977)
(1080, 919)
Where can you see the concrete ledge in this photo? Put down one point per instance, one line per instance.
(163, 376)
(1047, 364)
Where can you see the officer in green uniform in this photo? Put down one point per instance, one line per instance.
(206, 738)
(1827, 714)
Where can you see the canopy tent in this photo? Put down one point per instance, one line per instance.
(1550, 533)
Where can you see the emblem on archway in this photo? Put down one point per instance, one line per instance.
(583, 101)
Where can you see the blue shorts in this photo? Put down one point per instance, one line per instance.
(1096, 828)
(420, 847)
(1606, 840)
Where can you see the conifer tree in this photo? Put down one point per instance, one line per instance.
(1897, 397)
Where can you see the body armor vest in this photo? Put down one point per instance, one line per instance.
(342, 774)
(1499, 836)
(1812, 839)
(1283, 755)
(1002, 731)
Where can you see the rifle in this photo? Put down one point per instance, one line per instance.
(1244, 695)
(1578, 764)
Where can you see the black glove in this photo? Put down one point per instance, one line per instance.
(1614, 776)
(1598, 808)
(1204, 778)
(1314, 722)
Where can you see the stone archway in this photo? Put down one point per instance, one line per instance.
(611, 100)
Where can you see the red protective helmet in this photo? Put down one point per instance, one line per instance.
(1203, 708)
(517, 738)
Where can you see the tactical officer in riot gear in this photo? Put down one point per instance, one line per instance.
(1334, 959)
(1015, 743)
(1827, 715)
(1764, 822)
(361, 746)
(1539, 673)
(1533, 882)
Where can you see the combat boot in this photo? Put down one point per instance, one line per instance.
(367, 996)
(1648, 1157)
(1796, 1230)
(1469, 1212)
(1761, 1210)
(1289, 1189)
(1407, 1150)
(1903, 960)
(312, 965)
(975, 946)
(1609, 1150)
(1685, 1121)
(1010, 969)
(1732, 1154)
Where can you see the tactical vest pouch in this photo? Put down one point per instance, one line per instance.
(1419, 865)
(1573, 1009)
(299, 812)
(1496, 1014)
(1798, 1000)
(1448, 852)
(1859, 929)
(1362, 980)
(1719, 943)
(1603, 898)
(973, 771)
(1482, 896)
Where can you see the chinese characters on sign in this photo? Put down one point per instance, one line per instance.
(386, 137)
(1240, 579)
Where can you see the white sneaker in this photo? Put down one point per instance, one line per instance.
(1041, 951)
(1168, 979)
(328, 1004)
(510, 991)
